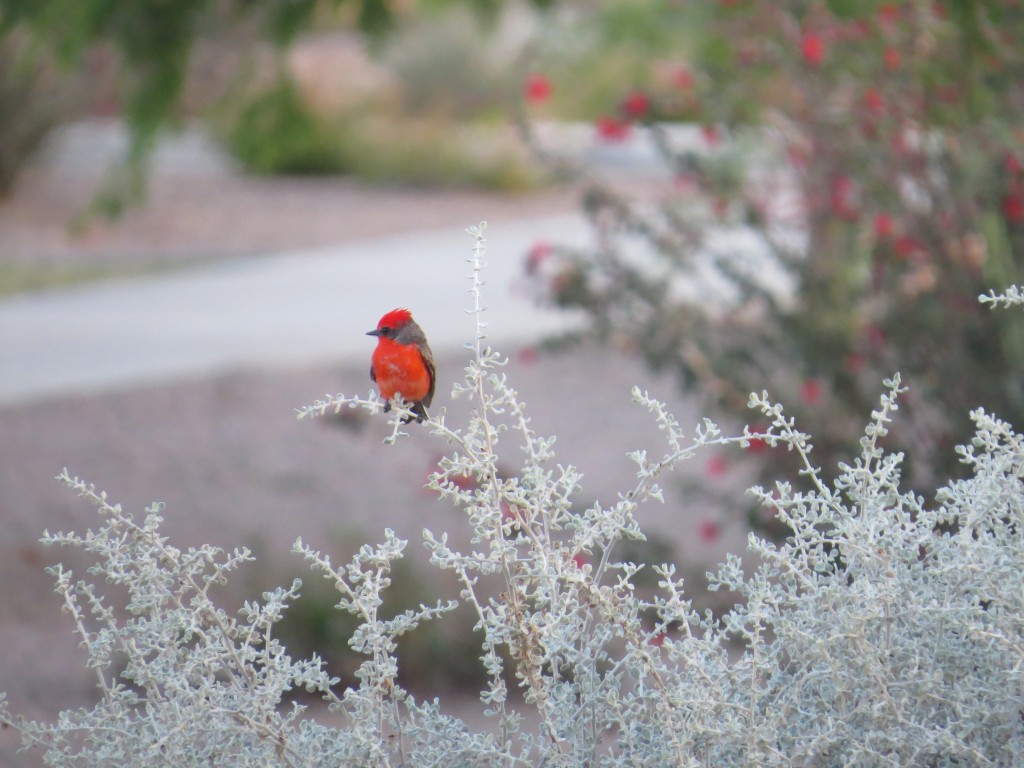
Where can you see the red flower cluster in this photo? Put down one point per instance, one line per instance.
(709, 531)
(636, 105)
(612, 129)
(1013, 205)
(1013, 200)
(537, 89)
(810, 391)
(845, 198)
(892, 58)
(873, 101)
(813, 48)
(716, 466)
(682, 78)
(908, 247)
(757, 445)
(884, 226)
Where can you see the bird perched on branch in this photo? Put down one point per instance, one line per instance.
(403, 363)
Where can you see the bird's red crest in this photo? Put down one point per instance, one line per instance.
(396, 318)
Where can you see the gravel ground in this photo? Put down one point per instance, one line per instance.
(210, 213)
(226, 454)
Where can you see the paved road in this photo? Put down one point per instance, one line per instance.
(311, 306)
(302, 306)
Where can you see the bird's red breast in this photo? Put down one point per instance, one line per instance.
(400, 368)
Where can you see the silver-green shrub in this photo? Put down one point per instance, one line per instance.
(888, 630)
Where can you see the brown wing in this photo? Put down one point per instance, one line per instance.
(373, 376)
(428, 360)
(411, 333)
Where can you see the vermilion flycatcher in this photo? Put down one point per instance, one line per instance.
(402, 362)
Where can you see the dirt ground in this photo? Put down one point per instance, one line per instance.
(202, 215)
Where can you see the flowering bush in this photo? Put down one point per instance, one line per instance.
(857, 182)
(885, 631)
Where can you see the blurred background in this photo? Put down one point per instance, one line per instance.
(205, 205)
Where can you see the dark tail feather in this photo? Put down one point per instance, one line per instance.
(420, 410)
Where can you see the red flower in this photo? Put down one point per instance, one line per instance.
(657, 640)
(873, 101)
(716, 466)
(888, 13)
(1013, 207)
(528, 355)
(1011, 164)
(708, 531)
(757, 445)
(813, 48)
(462, 482)
(810, 391)
(611, 129)
(537, 89)
(537, 254)
(710, 134)
(907, 247)
(682, 78)
(636, 105)
(893, 60)
(510, 514)
(844, 198)
(884, 226)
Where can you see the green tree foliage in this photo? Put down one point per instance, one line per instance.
(153, 41)
(30, 103)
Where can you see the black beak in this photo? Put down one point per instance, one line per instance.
(373, 333)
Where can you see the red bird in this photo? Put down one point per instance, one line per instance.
(403, 363)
